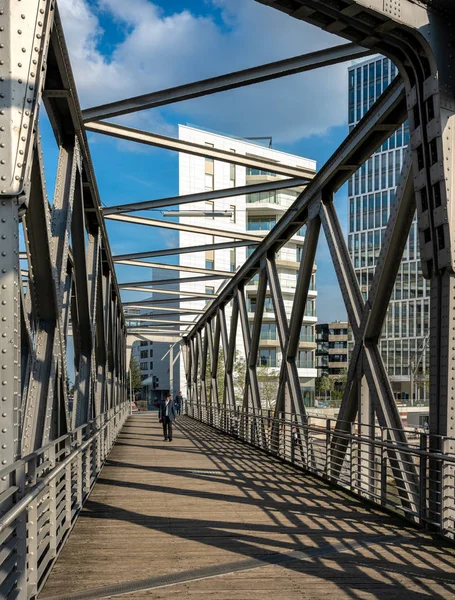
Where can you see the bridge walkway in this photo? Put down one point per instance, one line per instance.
(207, 516)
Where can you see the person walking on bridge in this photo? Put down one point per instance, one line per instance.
(167, 415)
(178, 402)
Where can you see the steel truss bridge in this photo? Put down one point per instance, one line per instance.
(58, 280)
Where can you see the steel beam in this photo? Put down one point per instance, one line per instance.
(185, 250)
(168, 143)
(268, 186)
(153, 337)
(172, 281)
(251, 380)
(266, 72)
(171, 310)
(171, 293)
(161, 321)
(184, 227)
(150, 301)
(289, 366)
(180, 268)
(304, 276)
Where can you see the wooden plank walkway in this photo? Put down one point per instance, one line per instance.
(206, 516)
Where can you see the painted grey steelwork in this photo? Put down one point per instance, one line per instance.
(281, 68)
(62, 284)
(238, 235)
(186, 250)
(168, 143)
(52, 448)
(268, 186)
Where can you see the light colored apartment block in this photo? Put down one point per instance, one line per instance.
(253, 213)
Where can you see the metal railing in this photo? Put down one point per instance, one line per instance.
(413, 477)
(43, 495)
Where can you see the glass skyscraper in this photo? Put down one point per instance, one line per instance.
(371, 194)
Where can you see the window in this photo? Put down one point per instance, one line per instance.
(151, 354)
(261, 223)
(209, 290)
(232, 174)
(268, 304)
(144, 377)
(306, 333)
(309, 309)
(209, 170)
(268, 331)
(298, 253)
(144, 366)
(250, 171)
(267, 357)
(144, 353)
(232, 260)
(210, 258)
(143, 344)
(151, 365)
(305, 359)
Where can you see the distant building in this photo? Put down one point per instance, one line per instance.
(371, 194)
(255, 213)
(331, 348)
(149, 355)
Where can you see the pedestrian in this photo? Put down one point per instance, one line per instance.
(178, 402)
(167, 415)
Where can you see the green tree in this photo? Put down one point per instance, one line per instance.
(268, 380)
(135, 374)
(239, 373)
(324, 384)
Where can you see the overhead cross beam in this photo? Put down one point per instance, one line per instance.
(166, 267)
(168, 143)
(266, 72)
(237, 235)
(185, 250)
(254, 188)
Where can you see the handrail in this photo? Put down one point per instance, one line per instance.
(376, 468)
(15, 512)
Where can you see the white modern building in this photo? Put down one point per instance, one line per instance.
(371, 194)
(255, 214)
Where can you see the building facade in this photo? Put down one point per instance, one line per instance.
(151, 356)
(371, 194)
(332, 348)
(257, 214)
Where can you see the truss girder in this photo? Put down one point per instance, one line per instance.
(416, 36)
(71, 289)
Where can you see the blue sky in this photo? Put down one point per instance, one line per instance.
(120, 49)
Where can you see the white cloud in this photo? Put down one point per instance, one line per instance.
(159, 51)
